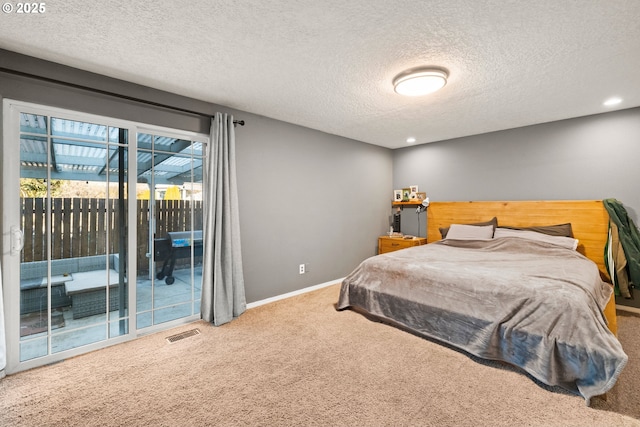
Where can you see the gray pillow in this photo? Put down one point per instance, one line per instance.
(563, 241)
(493, 221)
(564, 230)
(471, 232)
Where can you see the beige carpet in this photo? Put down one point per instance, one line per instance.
(299, 362)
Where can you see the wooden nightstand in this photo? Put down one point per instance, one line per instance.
(390, 244)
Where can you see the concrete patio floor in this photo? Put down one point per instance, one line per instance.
(156, 303)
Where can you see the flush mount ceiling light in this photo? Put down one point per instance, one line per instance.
(420, 81)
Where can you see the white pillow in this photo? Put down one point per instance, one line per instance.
(470, 232)
(565, 242)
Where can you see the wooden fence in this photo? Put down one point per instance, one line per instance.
(85, 227)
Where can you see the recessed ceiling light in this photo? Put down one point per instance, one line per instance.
(411, 140)
(612, 101)
(419, 81)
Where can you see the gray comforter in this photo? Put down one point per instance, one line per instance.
(532, 304)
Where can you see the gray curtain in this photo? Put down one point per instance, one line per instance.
(223, 296)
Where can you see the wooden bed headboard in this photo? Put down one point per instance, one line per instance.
(589, 219)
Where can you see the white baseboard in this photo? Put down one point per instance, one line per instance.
(293, 294)
(627, 308)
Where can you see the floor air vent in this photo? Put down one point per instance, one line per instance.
(183, 335)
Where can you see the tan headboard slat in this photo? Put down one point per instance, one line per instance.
(589, 219)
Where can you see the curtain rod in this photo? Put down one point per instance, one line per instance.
(108, 93)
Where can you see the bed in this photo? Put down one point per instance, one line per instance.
(538, 304)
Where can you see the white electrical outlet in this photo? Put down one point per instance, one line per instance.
(301, 269)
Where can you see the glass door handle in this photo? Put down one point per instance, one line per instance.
(17, 240)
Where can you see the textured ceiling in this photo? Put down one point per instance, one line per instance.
(328, 64)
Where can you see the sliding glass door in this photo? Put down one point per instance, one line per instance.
(101, 231)
(170, 197)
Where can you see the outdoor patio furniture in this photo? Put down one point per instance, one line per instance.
(88, 292)
(84, 276)
(33, 294)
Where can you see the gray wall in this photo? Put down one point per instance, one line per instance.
(594, 157)
(305, 196)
